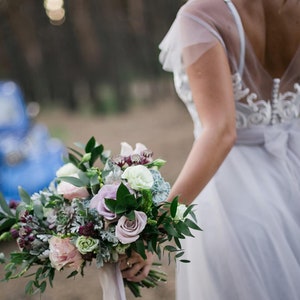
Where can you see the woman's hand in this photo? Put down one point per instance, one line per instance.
(135, 268)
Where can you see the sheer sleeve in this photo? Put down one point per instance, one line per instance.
(190, 36)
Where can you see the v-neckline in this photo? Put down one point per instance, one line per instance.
(248, 44)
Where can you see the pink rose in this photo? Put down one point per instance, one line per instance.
(64, 254)
(108, 191)
(128, 231)
(70, 191)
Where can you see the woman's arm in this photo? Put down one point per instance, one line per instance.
(211, 85)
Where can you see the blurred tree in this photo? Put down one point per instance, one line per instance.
(90, 56)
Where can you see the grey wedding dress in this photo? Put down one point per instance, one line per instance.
(250, 210)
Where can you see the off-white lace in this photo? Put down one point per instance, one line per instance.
(280, 108)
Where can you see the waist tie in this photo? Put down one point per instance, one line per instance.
(281, 141)
(275, 138)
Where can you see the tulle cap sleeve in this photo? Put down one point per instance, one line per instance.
(189, 37)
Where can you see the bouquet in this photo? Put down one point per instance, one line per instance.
(98, 208)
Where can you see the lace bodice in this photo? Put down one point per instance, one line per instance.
(279, 108)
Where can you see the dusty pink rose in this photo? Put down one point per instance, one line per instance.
(108, 191)
(64, 254)
(70, 191)
(128, 231)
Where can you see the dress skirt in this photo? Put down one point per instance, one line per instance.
(249, 248)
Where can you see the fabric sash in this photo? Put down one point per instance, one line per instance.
(111, 281)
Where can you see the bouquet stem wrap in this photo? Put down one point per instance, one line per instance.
(111, 281)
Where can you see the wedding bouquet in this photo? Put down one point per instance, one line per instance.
(98, 208)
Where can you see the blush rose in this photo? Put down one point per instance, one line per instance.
(62, 253)
(70, 191)
(127, 231)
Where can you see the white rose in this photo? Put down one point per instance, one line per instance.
(181, 208)
(139, 177)
(67, 170)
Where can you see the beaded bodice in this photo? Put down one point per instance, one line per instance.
(250, 111)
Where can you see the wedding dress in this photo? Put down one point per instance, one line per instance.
(250, 211)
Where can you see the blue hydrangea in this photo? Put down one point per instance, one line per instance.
(160, 189)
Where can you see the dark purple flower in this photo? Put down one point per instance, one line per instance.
(23, 216)
(14, 233)
(13, 204)
(87, 230)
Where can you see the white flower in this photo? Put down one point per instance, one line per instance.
(181, 208)
(127, 150)
(67, 170)
(139, 177)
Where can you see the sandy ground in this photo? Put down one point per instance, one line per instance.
(165, 128)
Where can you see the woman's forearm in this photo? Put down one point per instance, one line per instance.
(205, 157)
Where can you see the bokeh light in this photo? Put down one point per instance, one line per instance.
(55, 11)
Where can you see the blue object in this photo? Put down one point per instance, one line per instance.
(29, 157)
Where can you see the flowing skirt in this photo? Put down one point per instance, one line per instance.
(250, 215)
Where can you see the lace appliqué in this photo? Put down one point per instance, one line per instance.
(280, 108)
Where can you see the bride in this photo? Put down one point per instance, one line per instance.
(236, 66)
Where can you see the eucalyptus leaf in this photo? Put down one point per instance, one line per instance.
(38, 211)
(24, 196)
(6, 224)
(72, 180)
(5, 206)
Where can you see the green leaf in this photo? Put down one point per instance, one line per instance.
(90, 145)
(188, 210)
(140, 248)
(73, 274)
(29, 287)
(183, 229)
(161, 218)
(76, 152)
(5, 206)
(24, 196)
(170, 230)
(38, 211)
(177, 242)
(84, 178)
(192, 224)
(170, 248)
(131, 215)
(72, 180)
(173, 208)
(43, 286)
(111, 204)
(6, 224)
(185, 261)
(96, 152)
(74, 160)
(179, 254)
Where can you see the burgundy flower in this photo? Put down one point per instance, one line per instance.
(87, 230)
